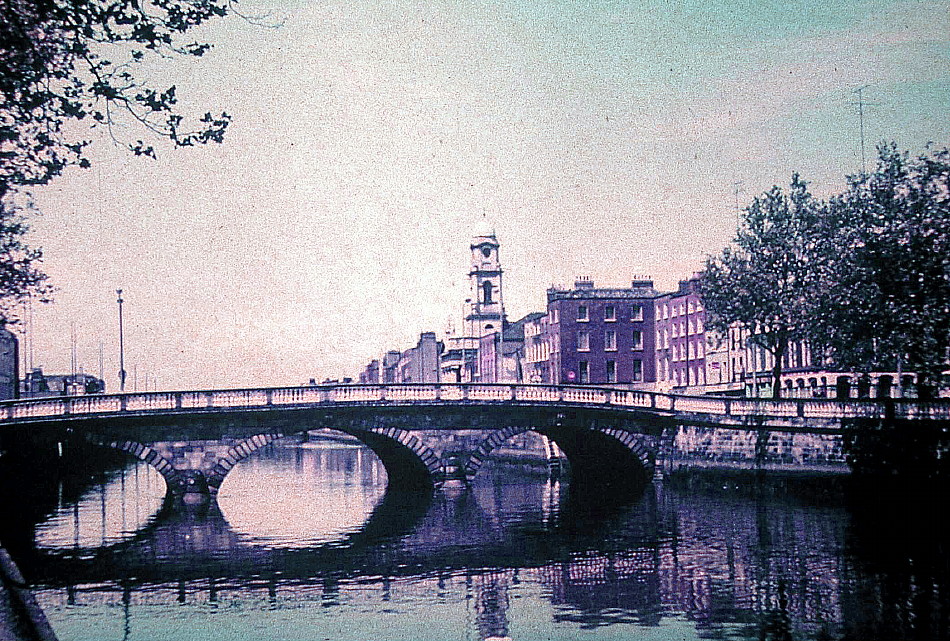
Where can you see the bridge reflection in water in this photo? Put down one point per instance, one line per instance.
(516, 557)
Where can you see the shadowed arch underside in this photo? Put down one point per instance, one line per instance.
(605, 457)
(409, 463)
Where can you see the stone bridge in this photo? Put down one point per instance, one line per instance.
(426, 435)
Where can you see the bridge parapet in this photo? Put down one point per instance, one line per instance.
(467, 394)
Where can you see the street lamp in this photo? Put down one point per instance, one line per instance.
(121, 346)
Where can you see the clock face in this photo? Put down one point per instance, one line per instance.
(486, 251)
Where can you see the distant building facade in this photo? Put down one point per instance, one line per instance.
(536, 354)
(370, 373)
(459, 362)
(36, 384)
(602, 335)
(390, 366)
(9, 365)
(501, 353)
(680, 337)
(420, 364)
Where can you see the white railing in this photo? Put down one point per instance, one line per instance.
(138, 402)
(701, 405)
(466, 393)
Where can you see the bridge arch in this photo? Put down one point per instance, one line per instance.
(476, 459)
(235, 455)
(640, 445)
(173, 478)
(595, 454)
(409, 463)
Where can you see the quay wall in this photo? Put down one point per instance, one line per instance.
(689, 447)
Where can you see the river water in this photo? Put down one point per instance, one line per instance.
(306, 544)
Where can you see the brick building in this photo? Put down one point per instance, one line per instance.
(680, 337)
(601, 335)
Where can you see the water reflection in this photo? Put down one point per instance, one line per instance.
(119, 505)
(302, 496)
(517, 557)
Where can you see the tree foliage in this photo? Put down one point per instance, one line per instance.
(64, 61)
(20, 275)
(863, 277)
(888, 306)
(765, 281)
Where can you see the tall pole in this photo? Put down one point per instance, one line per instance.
(861, 104)
(736, 188)
(121, 346)
(860, 92)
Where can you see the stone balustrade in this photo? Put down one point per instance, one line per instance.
(466, 394)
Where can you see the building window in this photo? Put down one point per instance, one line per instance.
(610, 313)
(610, 340)
(584, 369)
(637, 340)
(611, 371)
(583, 342)
(637, 371)
(637, 313)
(582, 313)
(486, 292)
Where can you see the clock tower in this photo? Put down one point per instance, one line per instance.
(486, 313)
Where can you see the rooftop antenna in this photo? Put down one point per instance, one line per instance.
(736, 188)
(861, 104)
(73, 358)
(30, 322)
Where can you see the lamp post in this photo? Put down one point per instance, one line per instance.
(121, 346)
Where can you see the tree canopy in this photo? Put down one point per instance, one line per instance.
(765, 281)
(65, 61)
(888, 304)
(864, 277)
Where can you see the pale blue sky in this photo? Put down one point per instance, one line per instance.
(371, 140)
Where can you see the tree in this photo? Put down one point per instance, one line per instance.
(20, 275)
(77, 60)
(887, 304)
(765, 281)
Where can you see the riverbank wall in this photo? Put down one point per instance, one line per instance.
(688, 448)
(21, 617)
(692, 448)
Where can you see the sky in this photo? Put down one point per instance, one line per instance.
(371, 141)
